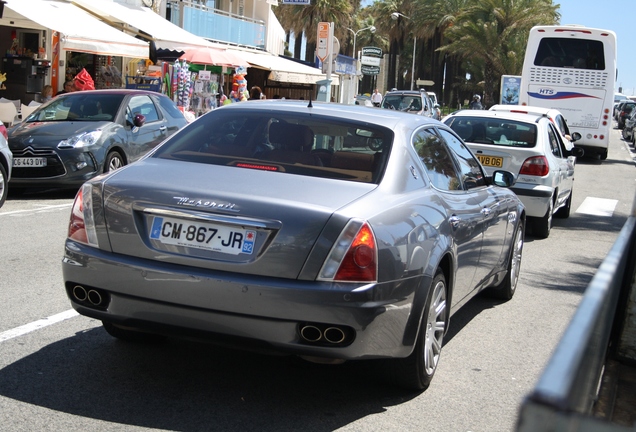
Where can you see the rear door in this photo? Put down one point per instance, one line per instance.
(464, 208)
(564, 173)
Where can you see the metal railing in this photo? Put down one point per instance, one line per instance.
(568, 387)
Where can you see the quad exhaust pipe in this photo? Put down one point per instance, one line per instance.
(324, 334)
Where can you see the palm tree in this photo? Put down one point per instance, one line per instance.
(432, 19)
(397, 31)
(496, 32)
(303, 19)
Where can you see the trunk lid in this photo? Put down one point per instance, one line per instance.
(219, 217)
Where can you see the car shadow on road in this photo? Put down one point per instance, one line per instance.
(189, 386)
(29, 194)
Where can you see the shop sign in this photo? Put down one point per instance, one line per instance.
(370, 70)
(372, 52)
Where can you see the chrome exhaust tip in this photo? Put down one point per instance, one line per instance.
(94, 297)
(79, 292)
(334, 335)
(311, 333)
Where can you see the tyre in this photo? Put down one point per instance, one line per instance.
(416, 371)
(564, 212)
(603, 154)
(506, 289)
(625, 134)
(130, 335)
(541, 226)
(113, 161)
(4, 185)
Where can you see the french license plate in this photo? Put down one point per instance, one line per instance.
(491, 161)
(202, 235)
(29, 162)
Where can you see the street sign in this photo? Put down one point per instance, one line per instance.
(323, 47)
(371, 61)
(420, 82)
(296, 2)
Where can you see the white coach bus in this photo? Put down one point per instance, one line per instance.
(573, 69)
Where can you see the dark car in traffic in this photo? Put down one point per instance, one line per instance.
(332, 232)
(79, 135)
(411, 101)
(624, 110)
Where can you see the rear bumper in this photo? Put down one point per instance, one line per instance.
(534, 197)
(246, 311)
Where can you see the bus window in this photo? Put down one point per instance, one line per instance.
(573, 53)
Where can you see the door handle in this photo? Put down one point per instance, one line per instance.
(162, 129)
(454, 221)
(485, 211)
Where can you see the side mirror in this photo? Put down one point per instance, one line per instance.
(577, 151)
(139, 120)
(503, 178)
(575, 137)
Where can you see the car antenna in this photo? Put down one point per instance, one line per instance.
(310, 105)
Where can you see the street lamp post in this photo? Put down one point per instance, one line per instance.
(394, 17)
(355, 55)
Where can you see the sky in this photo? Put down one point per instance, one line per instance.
(615, 15)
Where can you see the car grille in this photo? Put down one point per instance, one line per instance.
(54, 165)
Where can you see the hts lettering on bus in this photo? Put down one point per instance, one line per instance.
(546, 92)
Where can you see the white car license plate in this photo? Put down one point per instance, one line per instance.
(490, 161)
(202, 235)
(29, 162)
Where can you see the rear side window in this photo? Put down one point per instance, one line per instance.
(481, 130)
(437, 160)
(170, 108)
(285, 143)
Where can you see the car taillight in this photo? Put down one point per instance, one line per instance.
(3, 131)
(535, 166)
(81, 227)
(354, 256)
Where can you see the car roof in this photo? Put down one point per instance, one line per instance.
(404, 92)
(528, 118)
(383, 117)
(527, 109)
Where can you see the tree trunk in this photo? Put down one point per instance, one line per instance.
(489, 85)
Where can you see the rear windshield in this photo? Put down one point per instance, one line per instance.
(403, 102)
(571, 53)
(508, 133)
(287, 142)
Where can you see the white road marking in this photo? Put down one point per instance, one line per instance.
(36, 325)
(597, 206)
(36, 210)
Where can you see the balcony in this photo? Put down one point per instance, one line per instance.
(217, 25)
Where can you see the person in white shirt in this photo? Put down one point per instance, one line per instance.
(376, 98)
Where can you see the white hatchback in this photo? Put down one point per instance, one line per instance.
(553, 114)
(531, 147)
